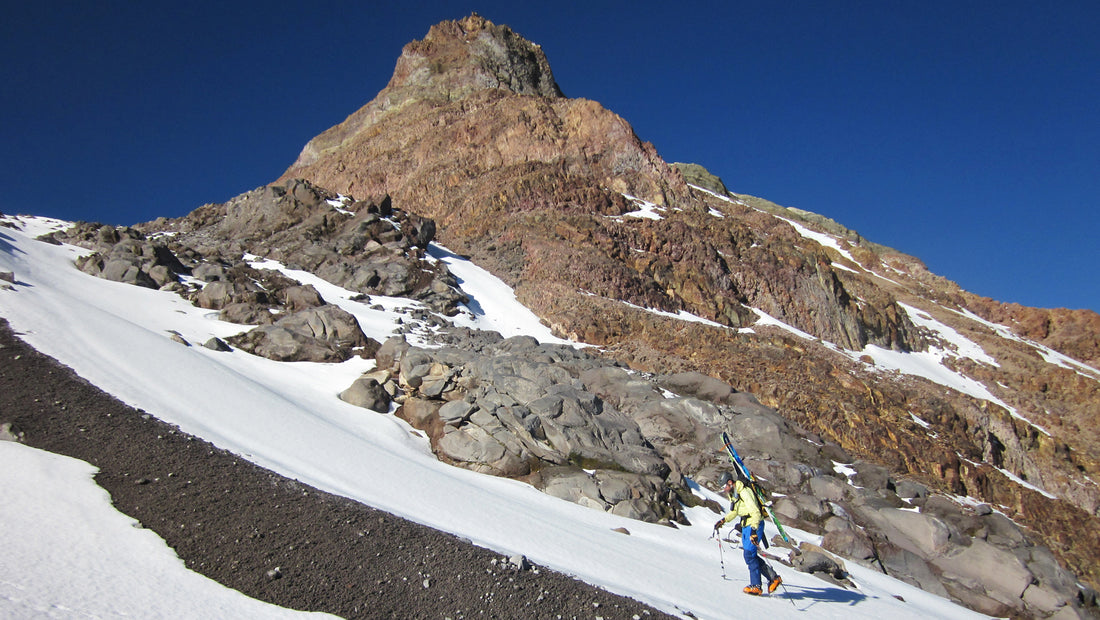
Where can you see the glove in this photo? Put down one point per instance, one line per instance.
(755, 539)
(719, 524)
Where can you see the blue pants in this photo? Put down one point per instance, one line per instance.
(752, 560)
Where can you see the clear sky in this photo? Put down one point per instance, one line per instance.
(964, 133)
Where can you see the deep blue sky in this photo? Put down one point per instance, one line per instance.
(964, 133)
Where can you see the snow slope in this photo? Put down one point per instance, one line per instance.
(117, 337)
(69, 553)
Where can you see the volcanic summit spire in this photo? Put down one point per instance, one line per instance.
(454, 60)
(459, 57)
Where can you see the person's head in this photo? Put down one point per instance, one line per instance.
(726, 480)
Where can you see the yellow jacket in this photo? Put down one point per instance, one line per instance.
(743, 504)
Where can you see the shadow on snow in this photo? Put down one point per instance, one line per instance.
(814, 595)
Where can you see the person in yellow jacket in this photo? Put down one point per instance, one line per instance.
(745, 509)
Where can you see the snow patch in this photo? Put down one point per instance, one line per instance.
(69, 553)
(962, 346)
(1049, 355)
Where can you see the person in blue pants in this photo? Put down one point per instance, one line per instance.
(743, 506)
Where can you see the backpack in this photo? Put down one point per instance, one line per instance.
(762, 496)
(758, 492)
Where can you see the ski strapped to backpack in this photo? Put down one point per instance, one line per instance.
(753, 484)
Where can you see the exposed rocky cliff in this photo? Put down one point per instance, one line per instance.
(473, 143)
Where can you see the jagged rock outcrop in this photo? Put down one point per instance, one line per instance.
(454, 60)
(125, 255)
(493, 109)
(515, 408)
(696, 175)
(295, 323)
(366, 246)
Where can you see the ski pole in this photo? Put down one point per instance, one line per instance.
(783, 585)
(721, 554)
(787, 595)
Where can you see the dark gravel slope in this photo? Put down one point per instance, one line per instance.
(269, 537)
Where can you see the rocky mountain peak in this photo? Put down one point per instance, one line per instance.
(453, 62)
(459, 57)
(474, 98)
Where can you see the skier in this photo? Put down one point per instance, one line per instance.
(743, 506)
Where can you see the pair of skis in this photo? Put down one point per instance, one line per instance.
(760, 500)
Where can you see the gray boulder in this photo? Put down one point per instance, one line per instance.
(221, 294)
(829, 488)
(456, 412)
(247, 313)
(208, 272)
(217, 344)
(922, 534)
(298, 298)
(848, 543)
(870, 475)
(621, 493)
(674, 428)
(391, 352)
(1055, 586)
(485, 446)
(1002, 575)
(618, 387)
(422, 414)
(283, 345)
(908, 489)
(909, 567)
(571, 484)
(367, 392)
(328, 323)
(810, 558)
(325, 334)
